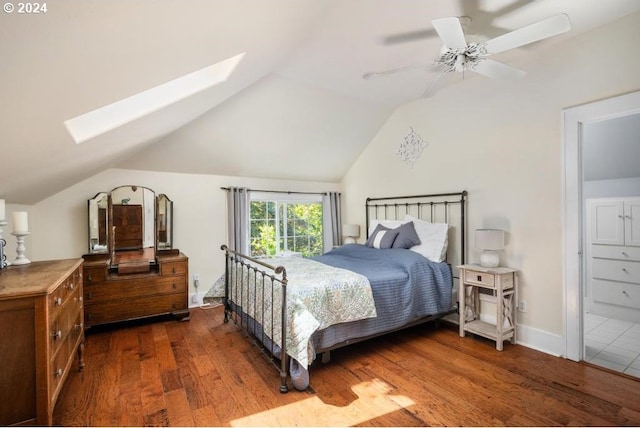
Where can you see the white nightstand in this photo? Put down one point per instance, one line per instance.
(501, 282)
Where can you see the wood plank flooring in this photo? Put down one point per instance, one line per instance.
(206, 373)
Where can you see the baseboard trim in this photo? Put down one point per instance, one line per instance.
(539, 340)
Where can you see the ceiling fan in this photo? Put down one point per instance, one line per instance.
(458, 55)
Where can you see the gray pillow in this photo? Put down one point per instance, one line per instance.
(382, 237)
(407, 236)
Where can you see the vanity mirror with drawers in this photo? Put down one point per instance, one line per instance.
(131, 270)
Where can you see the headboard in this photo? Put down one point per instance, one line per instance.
(447, 208)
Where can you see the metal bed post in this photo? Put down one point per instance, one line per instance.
(236, 261)
(284, 357)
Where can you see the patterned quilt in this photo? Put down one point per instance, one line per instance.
(318, 296)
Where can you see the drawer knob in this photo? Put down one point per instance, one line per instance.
(58, 372)
(174, 285)
(624, 269)
(173, 270)
(625, 254)
(625, 293)
(80, 299)
(79, 326)
(57, 301)
(89, 278)
(89, 296)
(479, 278)
(56, 334)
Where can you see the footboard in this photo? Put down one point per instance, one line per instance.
(255, 297)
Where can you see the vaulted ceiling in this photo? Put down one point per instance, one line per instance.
(297, 96)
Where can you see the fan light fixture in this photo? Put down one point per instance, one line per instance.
(461, 59)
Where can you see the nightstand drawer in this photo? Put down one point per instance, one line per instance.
(480, 278)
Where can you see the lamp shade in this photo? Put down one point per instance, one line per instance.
(351, 230)
(490, 239)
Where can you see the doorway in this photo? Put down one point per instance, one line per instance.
(576, 122)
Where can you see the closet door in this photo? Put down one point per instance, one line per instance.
(632, 222)
(607, 222)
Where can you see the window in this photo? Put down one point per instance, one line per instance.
(282, 224)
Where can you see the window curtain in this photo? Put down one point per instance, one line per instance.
(331, 220)
(238, 219)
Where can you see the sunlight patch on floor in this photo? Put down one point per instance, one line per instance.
(373, 401)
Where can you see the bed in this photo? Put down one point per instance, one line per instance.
(295, 309)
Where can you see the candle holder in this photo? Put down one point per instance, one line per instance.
(6, 262)
(21, 259)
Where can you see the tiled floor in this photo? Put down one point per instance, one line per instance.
(612, 343)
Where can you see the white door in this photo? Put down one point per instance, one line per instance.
(632, 222)
(607, 221)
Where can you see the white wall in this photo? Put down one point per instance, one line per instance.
(59, 224)
(501, 141)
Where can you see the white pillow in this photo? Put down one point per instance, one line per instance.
(433, 238)
(389, 224)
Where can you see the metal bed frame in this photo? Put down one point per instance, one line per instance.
(273, 279)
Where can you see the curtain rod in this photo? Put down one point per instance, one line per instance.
(289, 192)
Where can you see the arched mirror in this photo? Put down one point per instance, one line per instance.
(98, 224)
(165, 222)
(129, 224)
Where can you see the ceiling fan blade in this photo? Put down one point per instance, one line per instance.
(546, 28)
(410, 36)
(498, 70)
(438, 83)
(450, 31)
(375, 74)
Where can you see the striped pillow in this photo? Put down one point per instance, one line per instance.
(382, 237)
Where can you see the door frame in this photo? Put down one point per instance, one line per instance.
(573, 120)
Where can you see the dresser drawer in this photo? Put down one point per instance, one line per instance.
(121, 310)
(67, 320)
(616, 252)
(123, 289)
(63, 293)
(93, 275)
(616, 293)
(615, 270)
(173, 268)
(59, 367)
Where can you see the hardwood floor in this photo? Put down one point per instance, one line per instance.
(203, 372)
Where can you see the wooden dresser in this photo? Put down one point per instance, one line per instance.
(41, 329)
(111, 297)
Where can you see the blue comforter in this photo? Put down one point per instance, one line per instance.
(405, 285)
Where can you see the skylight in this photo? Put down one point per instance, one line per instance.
(104, 119)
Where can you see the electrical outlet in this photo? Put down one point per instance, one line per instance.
(194, 298)
(196, 280)
(522, 306)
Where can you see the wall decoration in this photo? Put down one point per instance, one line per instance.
(411, 147)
